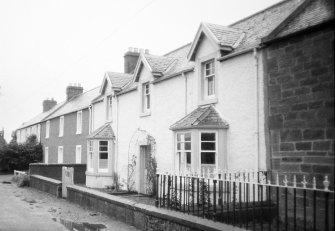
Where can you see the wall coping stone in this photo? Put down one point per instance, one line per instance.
(53, 181)
(56, 164)
(177, 217)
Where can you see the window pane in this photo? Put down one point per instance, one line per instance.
(187, 136)
(103, 155)
(103, 148)
(178, 137)
(207, 158)
(208, 136)
(148, 101)
(208, 146)
(188, 157)
(187, 145)
(103, 163)
(210, 85)
(103, 143)
(178, 146)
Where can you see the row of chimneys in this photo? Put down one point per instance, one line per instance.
(130, 61)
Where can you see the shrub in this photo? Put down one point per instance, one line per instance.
(14, 156)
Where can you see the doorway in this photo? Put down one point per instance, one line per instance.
(143, 160)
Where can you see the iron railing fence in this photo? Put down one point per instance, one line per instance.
(248, 199)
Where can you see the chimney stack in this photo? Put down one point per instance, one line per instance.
(48, 104)
(131, 58)
(73, 90)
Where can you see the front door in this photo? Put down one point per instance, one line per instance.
(143, 159)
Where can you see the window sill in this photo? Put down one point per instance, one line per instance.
(78, 133)
(102, 170)
(208, 101)
(144, 114)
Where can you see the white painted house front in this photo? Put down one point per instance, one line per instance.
(189, 109)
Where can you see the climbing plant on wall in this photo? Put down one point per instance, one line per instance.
(151, 167)
(141, 137)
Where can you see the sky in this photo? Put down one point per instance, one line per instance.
(47, 44)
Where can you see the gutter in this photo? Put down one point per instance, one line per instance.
(255, 54)
(237, 54)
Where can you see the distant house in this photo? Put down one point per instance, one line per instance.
(218, 103)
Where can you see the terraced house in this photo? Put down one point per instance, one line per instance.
(203, 106)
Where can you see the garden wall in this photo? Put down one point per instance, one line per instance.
(143, 217)
(54, 171)
(46, 184)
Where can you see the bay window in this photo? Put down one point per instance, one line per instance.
(184, 144)
(103, 156)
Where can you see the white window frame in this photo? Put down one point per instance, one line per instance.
(46, 155)
(78, 154)
(103, 169)
(38, 134)
(91, 119)
(215, 151)
(60, 156)
(109, 108)
(90, 151)
(61, 126)
(206, 79)
(183, 151)
(47, 129)
(146, 97)
(79, 122)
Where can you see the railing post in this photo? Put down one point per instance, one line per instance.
(157, 190)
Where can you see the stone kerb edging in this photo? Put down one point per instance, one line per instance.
(164, 214)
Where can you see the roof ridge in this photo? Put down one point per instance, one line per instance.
(261, 11)
(179, 48)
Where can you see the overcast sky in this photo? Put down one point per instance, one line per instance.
(47, 44)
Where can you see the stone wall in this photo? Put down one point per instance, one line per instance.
(54, 171)
(143, 217)
(300, 85)
(46, 184)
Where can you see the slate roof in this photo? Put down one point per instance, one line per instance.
(39, 118)
(227, 36)
(316, 12)
(77, 103)
(119, 80)
(159, 64)
(201, 117)
(103, 132)
(262, 23)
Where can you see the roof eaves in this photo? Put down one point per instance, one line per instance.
(172, 75)
(199, 127)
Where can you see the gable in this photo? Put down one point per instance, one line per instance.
(205, 48)
(144, 75)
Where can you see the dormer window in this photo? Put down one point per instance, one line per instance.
(109, 108)
(146, 97)
(209, 79)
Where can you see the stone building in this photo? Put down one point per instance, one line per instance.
(299, 70)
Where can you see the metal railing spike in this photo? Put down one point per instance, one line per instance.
(285, 181)
(326, 183)
(314, 183)
(277, 179)
(304, 182)
(294, 181)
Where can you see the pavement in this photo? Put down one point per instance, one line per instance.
(27, 209)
